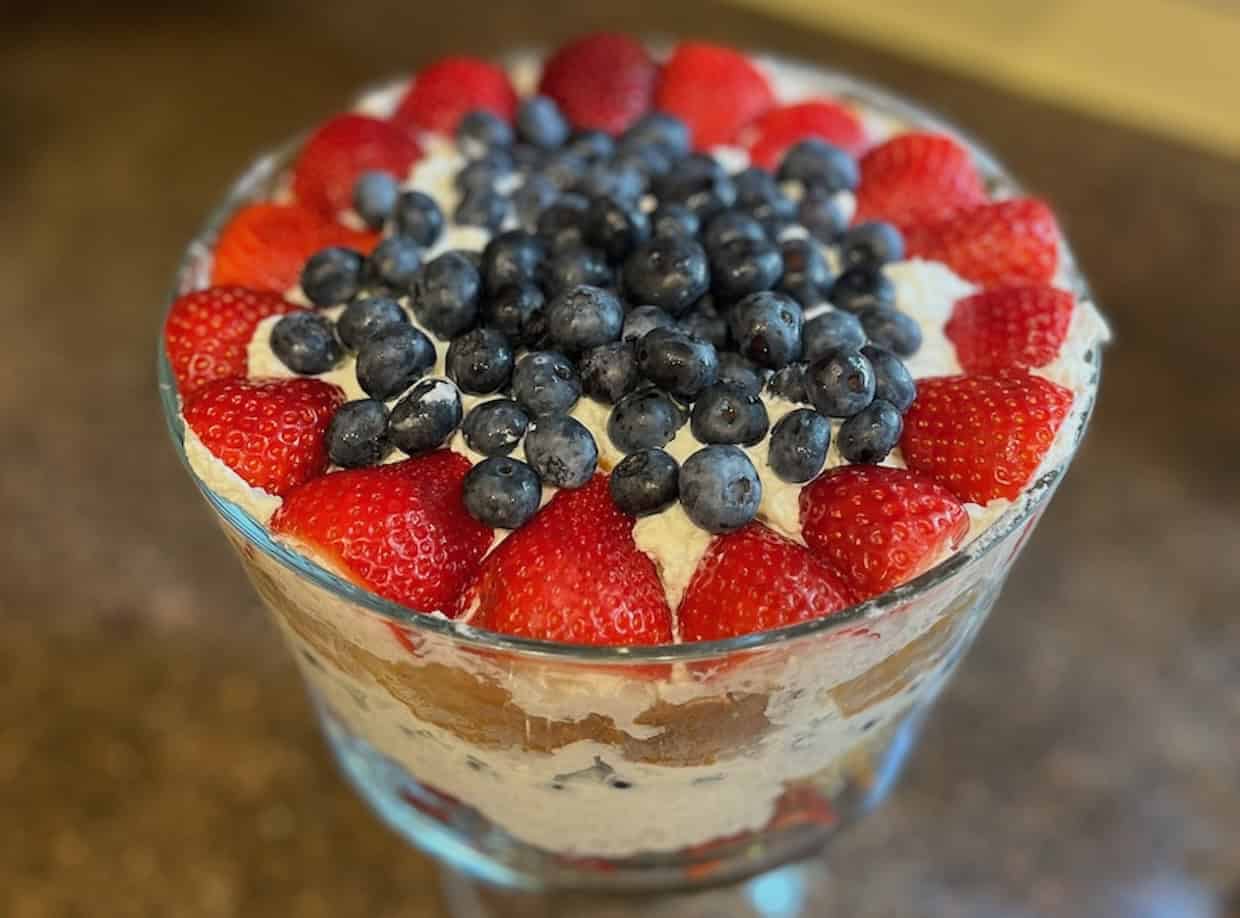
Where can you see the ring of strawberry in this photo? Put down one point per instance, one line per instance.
(1011, 327)
(917, 177)
(341, 150)
(602, 82)
(694, 80)
(450, 87)
(1002, 242)
(780, 128)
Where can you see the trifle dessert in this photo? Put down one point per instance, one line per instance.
(628, 440)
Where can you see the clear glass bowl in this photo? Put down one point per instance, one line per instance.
(545, 767)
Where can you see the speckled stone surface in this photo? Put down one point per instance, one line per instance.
(157, 755)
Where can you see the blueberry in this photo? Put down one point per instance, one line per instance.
(531, 198)
(331, 276)
(583, 317)
(374, 198)
(418, 217)
(445, 294)
(799, 442)
(393, 360)
(700, 184)
(564, 169)
(545, 382)
(502, 493)
(668, 273)
(644, 419)
(484, 173)
(821, 212)
(789, 383)
(739, 372)
(729, 226)
(366, 318)
(745, 266)
(873, 244)
(860, 288)
(621, 181)
(527, 158)
(767, 329)
(806, 277)
(892, 381)
(754, 185)
(306, 343)
(575, 267)
(758, 195)
(674, 221)
(650, 161)
(832, 331)
(644, 319)
(609, 372)
(615, 228)
(870, 434)
(720, 489)
(357, 434)
(661, 130)
(817, 164)
(479, 131)
(891, 329)
(645, 482)
(562, 224)
(518, 312)
(840, 384)
(726, 413)
(592, 146)
(678, 362)
(514, 257)
(480, 361)
(394, 263)
(539, 122)
(482, 207)
(561, 450)
(494, 428)
(425, 418)
(709, 326)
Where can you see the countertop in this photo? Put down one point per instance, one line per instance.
(157, 755)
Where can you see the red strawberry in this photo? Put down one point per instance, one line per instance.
(269, 431)
(341, 150)
(755, 580)
(715, 90)
(917, 177)
(573, 574)
(451, 86)
(400, 530)
(879, 526)
(1004, 242)
(1006, 327)
(603, 81)
(825, 119)
(207, 332)
(983, 436)
(265, 246)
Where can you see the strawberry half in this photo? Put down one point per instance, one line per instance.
(713, 89)
(207, 332)
(400, 530)
(269, 431)
(449, 88)
(756, 580)
(917, 177)
(983, 437)
(1005, 242)
(340, 151)
(878, 526)
(1003, 328)
(573, 573)
(782, 127)
(265, 246)
(603, 82)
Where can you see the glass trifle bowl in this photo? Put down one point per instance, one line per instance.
(550, 778)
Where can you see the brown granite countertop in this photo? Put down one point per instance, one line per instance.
(157, 756)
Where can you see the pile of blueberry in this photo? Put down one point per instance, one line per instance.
(639, 274)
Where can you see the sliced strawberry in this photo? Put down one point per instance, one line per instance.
(265, 246)
(340, 151)
(715, 90)
(449, 88)
(1005, 242)
(983, 437)
(917, 177)
(1021, 326)
(207, 332)
(879, 526)
(755, 580)
(573, 574)
(782, 127)
(269, 431)
(400, 530)
(603, 82)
